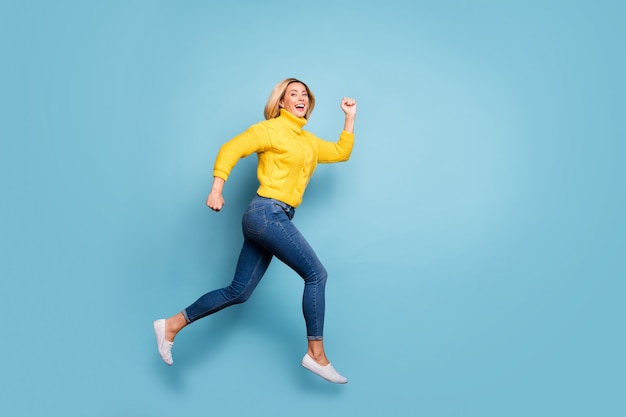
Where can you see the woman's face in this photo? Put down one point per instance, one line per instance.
(296, 99)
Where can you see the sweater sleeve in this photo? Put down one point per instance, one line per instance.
(328, 152)
(254, 139)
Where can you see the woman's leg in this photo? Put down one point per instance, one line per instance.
(279, 236)
(252, 264)
(269, 231)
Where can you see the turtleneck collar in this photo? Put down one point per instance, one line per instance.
(295, 122)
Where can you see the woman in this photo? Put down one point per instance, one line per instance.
(287, 157)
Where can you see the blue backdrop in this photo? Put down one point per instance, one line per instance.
(474, 241)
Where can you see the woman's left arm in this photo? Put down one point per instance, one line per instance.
(348, 105)
(329, 152)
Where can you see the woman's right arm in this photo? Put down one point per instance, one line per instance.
(215, 201)
(254, 139)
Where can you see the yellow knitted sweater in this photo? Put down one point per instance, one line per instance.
(287, 154)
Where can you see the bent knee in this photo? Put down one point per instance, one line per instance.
(319, 276)
(235, 296)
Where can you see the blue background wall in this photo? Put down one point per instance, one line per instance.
(475, 240)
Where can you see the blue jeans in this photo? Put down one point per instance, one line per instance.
(268, 232)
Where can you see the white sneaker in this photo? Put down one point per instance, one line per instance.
(327, 372)
(165, 347)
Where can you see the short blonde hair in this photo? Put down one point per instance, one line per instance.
(272, 109)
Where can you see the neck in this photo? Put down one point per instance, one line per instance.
(296, 122)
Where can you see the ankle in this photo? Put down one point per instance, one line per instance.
(318, 357)
(173, 325)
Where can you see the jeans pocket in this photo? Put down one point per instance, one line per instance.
(254, 221)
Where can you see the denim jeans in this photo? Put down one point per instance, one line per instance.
(268, 232)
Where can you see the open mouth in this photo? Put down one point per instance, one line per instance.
(300, 106)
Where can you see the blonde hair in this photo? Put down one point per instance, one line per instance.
(272, 108)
